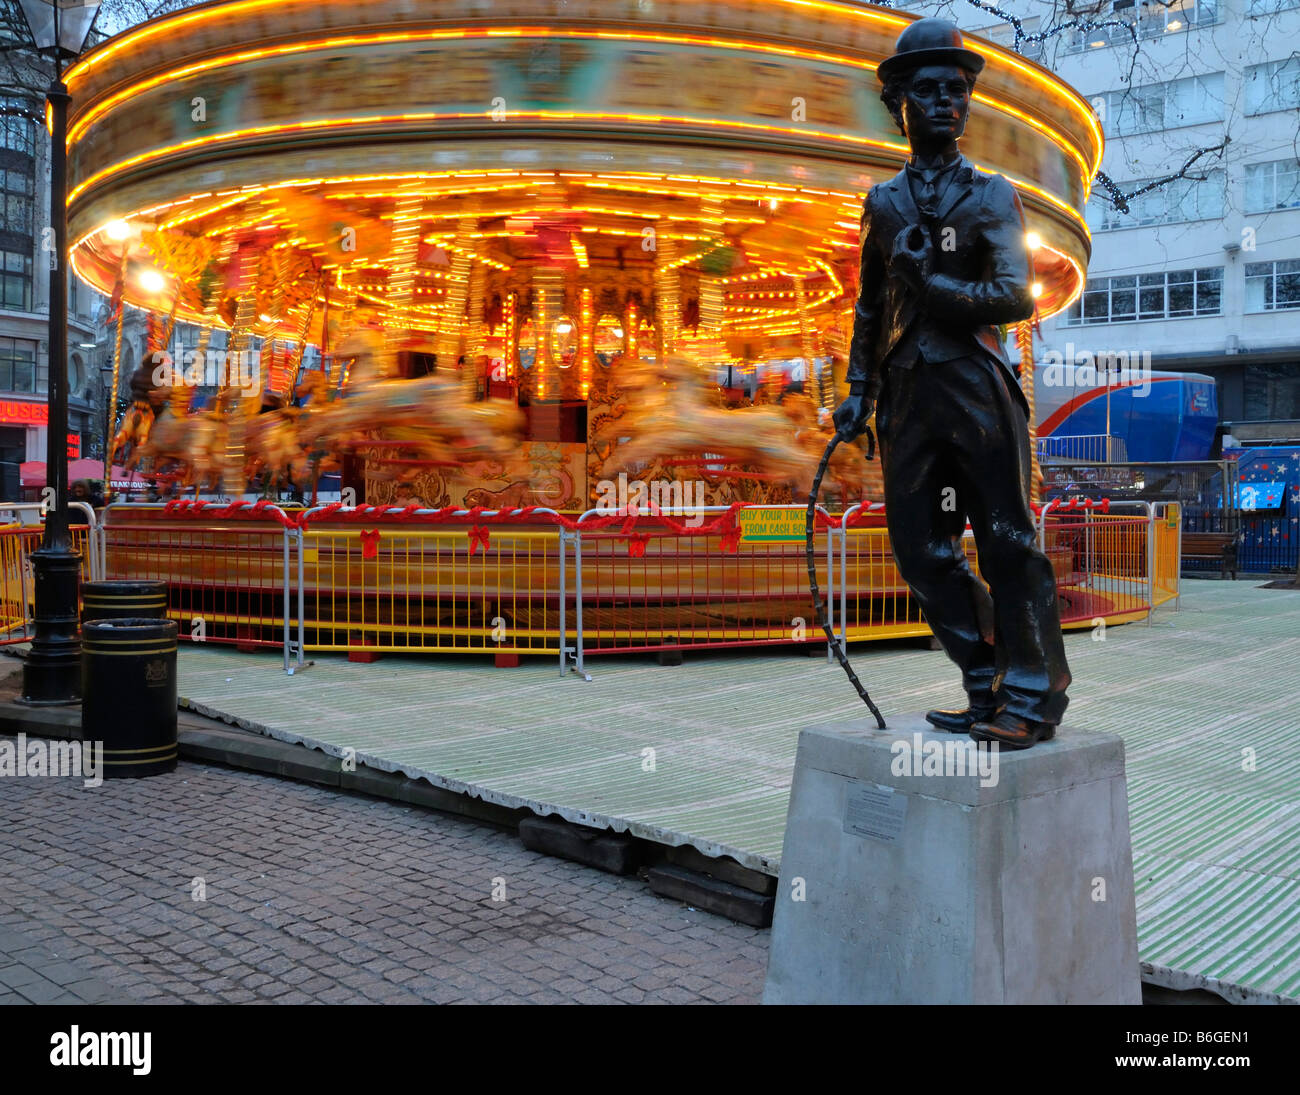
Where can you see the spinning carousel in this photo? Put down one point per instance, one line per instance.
(531, 244)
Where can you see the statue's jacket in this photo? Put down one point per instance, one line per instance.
(981, 279)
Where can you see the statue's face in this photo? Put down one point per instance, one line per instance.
(935, 105)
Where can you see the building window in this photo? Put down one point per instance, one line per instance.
(1177, 201)
(1149, 18)
(1170, 294)
(1273, 185)
(15, 281)
(1271, 392)
(17, 197)
(1004, 34)
(1274, 85)
(1194, 100)
(17, 365)
(18, 134)
(1272, 286)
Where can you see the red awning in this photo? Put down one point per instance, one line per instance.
(32, 473)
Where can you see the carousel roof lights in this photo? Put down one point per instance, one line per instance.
(169, 24)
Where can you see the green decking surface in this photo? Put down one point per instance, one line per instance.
(1207, 700)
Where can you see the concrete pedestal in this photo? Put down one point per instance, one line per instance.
(911, 877)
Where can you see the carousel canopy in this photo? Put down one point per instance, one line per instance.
(272, 156)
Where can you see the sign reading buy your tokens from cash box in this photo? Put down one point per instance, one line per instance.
(769, 525)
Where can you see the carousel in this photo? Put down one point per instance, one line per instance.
(501, 266)
(498, 252)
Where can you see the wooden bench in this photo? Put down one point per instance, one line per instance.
(1212, 545)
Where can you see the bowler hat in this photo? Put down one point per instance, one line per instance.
(929, 42)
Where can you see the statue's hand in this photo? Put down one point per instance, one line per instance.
(851, 416)
(913, 257)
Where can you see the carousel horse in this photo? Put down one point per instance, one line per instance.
(847, 468)
(170, 436)
(682, 421)
(431, 416)
(272, 445)
(137, 424)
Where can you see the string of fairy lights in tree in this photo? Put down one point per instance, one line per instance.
(1023, 36)
(1120, 198)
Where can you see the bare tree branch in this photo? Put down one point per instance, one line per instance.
(1052, 31)
(1120, 199)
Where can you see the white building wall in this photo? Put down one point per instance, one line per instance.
(1238, 41)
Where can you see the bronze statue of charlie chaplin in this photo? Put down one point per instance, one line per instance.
(944, 263)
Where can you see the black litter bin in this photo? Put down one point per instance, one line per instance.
(123, 601)
(128, 690)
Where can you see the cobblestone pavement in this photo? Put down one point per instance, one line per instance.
(210, 885)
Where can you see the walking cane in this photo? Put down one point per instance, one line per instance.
(812, 570)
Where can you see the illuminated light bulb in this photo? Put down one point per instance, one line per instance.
(1175, 25)
(118, 231)
(265, 318)
(1034, 240)
(151, 281)
(1036, 289)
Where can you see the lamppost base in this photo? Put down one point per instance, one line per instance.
(52, 670)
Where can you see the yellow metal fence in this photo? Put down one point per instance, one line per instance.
(443, 589)
(527, 584)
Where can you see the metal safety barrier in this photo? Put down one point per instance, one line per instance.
(18, 539)
(1167, 546)
(15, 586)
(1103, 564)
(392, 579)
(648, 581)
(875, 601)
(227, 568)
(387, 579)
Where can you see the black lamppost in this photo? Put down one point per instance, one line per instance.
(52, 671)
(110, 415)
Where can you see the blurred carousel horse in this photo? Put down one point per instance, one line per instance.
(813, 432)
(132, 437)
(430, 416)
(673, 414)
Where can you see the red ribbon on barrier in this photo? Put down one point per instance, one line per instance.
(636, 544)
(479, 536)
(261, 510)
(731, 540)
(370, 543)
(1101, 505)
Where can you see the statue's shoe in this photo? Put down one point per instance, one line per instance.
(1013, 731)
(983, 708)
